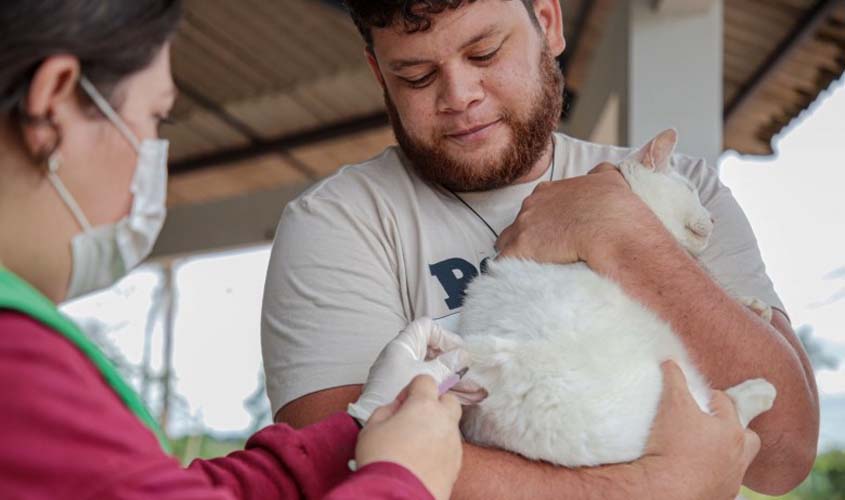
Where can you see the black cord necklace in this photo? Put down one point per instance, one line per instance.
(475, 212)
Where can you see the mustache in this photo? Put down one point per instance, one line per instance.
(469, 125)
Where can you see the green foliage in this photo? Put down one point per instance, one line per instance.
(826, 482)
(187, 448)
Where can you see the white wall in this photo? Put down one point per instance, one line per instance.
(665, 69)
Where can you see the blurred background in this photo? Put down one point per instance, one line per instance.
(275, 95)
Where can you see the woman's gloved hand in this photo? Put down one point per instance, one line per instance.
(419, 431)
(422, 348)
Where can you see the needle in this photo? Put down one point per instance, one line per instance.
(451, 381)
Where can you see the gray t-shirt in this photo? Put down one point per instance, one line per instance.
(373, 247)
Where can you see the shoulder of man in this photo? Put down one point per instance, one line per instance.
(580, 156)
(361, 185)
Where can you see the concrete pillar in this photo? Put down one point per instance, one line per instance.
(659, 65)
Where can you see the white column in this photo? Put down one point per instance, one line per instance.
(664, 60)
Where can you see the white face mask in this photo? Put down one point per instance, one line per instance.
(104, 254)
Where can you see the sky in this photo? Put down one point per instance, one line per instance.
(794, 201)
(796, 205)
(216, 348)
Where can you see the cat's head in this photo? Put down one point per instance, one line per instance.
(670, 196)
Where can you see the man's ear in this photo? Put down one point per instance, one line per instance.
(549, 16)
(374, 67)
(51, 92)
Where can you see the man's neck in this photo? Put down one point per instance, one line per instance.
(541, 166)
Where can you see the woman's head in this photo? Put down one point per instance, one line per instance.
(122, 47)
(111, 39)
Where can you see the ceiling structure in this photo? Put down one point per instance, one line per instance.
(278, 93)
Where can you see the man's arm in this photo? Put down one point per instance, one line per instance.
(331, 298)
(730, 344)
(617, 235)
(488, 473)
(316, 406)
(689, 455)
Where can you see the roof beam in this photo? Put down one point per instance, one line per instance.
(283, 144)
(673, 7)
(336, 3)
(218, 111)
(584, 15)
(589, 27)
(805, 28)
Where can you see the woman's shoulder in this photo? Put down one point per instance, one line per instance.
(31, 346)
(60, 421)
(37, 362)
(18, 326)
(44, 371)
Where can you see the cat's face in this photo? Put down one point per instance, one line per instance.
(669, 195)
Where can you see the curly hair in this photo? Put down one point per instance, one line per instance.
(414, 14)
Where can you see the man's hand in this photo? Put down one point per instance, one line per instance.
(573, 219)
(693, 455)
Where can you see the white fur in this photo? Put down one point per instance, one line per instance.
(570, 362)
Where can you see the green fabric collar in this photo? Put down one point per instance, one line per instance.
(18, 295)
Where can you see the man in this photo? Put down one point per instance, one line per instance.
(474, 96)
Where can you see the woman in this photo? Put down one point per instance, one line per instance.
(83, 86)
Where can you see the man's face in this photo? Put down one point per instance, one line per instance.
(474, 99)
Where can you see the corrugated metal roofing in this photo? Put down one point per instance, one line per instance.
(254, 74)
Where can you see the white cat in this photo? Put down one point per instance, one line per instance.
(570, 362)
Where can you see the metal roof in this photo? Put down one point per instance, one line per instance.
(274, 93)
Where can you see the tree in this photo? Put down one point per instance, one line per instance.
(820, 359)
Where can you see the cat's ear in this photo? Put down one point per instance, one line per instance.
(657, 153)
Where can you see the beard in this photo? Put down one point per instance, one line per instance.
(530, 135)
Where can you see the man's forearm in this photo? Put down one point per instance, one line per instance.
(489, 473)
(730, 344)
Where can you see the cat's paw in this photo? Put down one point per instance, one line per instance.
(752, 398)
(758, 306)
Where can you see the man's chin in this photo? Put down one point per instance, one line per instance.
(476, 157)
(479, 177)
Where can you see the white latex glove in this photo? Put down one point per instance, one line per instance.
(422, 348)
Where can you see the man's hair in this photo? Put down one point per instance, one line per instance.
(415, 15)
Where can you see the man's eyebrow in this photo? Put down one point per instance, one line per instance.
(405, 63)
(487, 33)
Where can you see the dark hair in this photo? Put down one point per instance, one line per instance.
(414, 14)
(112, 39)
